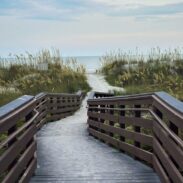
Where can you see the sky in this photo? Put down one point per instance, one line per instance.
(89, 27)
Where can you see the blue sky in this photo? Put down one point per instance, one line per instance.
(89, 27)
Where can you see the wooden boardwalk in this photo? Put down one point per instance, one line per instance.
(66, 153)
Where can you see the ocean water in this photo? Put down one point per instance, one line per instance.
(91, 63)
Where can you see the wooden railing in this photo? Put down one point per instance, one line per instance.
(149, 127)
(19, 122)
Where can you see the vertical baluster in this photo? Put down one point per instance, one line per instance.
(159, 114)
(96, 119)
(137, 128)
(89, 110)
(111, 123)
(122, 125)
(102, 120)
(10, 131)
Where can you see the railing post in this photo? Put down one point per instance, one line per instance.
(122, 125)
(11, 131)
(102, 120)
(137, 128)
(111, 123)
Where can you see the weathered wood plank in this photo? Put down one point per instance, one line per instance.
(21, 165)
(167, 162)
(169, 145)
(160, 171)
(144, 139)
(13, 151)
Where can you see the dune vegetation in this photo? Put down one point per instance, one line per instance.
(156, 71)
(44, 72)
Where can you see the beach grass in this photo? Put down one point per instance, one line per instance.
(159, 70)
(45, 71)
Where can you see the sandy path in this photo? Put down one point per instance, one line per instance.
(98, 83)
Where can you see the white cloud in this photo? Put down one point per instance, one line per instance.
(73, 9)
(91, 35)
(38, 9)
(124, 3)
(101, 25)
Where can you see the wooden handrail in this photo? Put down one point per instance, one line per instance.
(17, 132)
(118, 109)
(19, 122)
(164, 127)
(158, 115)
